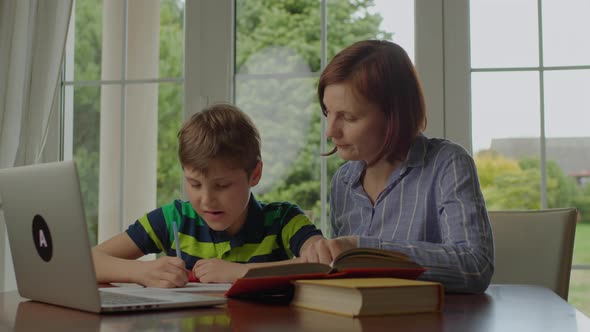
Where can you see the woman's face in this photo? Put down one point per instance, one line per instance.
(355, 126)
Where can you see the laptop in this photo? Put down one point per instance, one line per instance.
(50, 248)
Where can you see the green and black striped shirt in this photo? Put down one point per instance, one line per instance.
(272, 232)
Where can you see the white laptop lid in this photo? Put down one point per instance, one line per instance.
(49, 242)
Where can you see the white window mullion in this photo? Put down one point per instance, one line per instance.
(457, 76)
(429, 55)
(110, 170)
(543, 152)
(129, 113)
(140, 149)
(68, 94)
(443, 64)
(209, 53)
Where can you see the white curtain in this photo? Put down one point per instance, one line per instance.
(32, 41)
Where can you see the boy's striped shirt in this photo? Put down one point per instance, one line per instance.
(271, 232)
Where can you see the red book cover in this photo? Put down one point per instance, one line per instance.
(244, 286)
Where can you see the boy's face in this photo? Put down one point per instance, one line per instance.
(221, 197)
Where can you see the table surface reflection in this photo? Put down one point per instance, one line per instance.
(501, 308)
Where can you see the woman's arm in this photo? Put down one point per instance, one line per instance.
(463, 260)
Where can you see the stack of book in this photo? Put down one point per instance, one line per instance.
(369, 296)
(359, 282)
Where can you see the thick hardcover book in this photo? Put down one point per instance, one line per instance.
(354, 263)
(369, 296)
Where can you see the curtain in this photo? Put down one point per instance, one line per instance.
(32, 42)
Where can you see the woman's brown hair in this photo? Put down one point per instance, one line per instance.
(383, 74)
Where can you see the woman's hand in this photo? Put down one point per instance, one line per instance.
(325, 250)
(218, 270)
(164, 272)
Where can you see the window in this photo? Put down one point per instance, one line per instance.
(119, 63)
(529, 81)
(521, 106)
(278, 61)
(124, 93)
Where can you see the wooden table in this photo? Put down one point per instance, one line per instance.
(502, 308)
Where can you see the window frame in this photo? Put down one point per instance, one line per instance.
(442, 60)
(457, 117)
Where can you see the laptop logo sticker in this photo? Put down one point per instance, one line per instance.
(42, 238)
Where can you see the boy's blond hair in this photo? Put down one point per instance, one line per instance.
(220, 132)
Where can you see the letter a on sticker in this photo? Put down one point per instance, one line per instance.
(42, 241)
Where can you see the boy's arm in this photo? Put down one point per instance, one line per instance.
(112, 259)
(308, 246)
(218, 270)
(115, 260)
(298, 233)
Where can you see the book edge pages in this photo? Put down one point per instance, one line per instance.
(349, 297)
(330, 290)
(287, 270)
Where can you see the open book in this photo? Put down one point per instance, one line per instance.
(353, 263)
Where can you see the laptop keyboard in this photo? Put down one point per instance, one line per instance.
(115, 298)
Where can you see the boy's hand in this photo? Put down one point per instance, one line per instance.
(324, 250)
(164, 272)
(218, 270)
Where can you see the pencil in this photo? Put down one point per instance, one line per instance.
(175, 230)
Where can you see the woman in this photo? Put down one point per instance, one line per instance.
(399, 190)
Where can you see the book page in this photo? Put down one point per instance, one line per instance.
(201, 287)
(373, 252)
(373, 258)
(287, 270)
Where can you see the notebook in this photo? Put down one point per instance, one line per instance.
(50, 248)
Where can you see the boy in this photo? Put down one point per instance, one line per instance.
(222, 225)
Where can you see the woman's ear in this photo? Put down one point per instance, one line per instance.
(256, 174)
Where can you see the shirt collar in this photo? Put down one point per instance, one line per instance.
(417, 153)
(415, 158)
(357, 168)
(250, 229)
